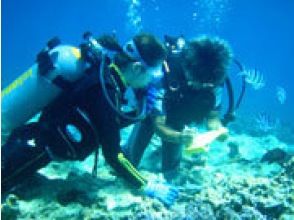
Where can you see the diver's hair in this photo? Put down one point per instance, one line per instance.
(110, 42)
(207, 59)
(150, 48)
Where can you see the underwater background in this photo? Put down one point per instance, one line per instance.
(261, 34)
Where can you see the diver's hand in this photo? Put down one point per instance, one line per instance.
(223, 137)
(187, 136)
(215, 124)
(164, 192)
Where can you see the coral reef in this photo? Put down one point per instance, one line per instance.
(229, 182)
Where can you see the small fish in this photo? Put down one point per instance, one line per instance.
(281, 94)
(265, 122)
(253, 77)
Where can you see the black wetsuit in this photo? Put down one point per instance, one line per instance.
(85, 110)
(183, 105)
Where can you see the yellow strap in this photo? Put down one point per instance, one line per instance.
(117, 69)
(17, 82)
(127, 164)
(166, 66)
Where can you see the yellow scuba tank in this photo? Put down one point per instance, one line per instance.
(29, 93)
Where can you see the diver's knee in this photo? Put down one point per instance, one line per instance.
(19, 160)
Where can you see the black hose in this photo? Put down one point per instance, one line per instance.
(243, 89)
(230, 113)
(141, 115)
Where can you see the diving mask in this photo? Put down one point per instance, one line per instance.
(131, 50)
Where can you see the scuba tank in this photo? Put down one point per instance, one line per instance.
(57, 66)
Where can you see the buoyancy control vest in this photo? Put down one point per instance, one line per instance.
(181, 103)
(72, 122)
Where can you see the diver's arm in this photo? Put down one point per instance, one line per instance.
(214, 116)
(214, 123)
(160, 190)
(169, 134)
(213, 120)
(115, 158)
(165, 132)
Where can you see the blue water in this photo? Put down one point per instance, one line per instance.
(261, 34)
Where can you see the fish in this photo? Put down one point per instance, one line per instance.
(281, 94)
(265, 122)
(254, 78)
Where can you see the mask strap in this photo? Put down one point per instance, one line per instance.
(134, 54)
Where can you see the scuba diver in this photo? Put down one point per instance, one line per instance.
(193, 83)
(91, 92)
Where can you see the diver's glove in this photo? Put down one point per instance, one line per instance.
(164, 192)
